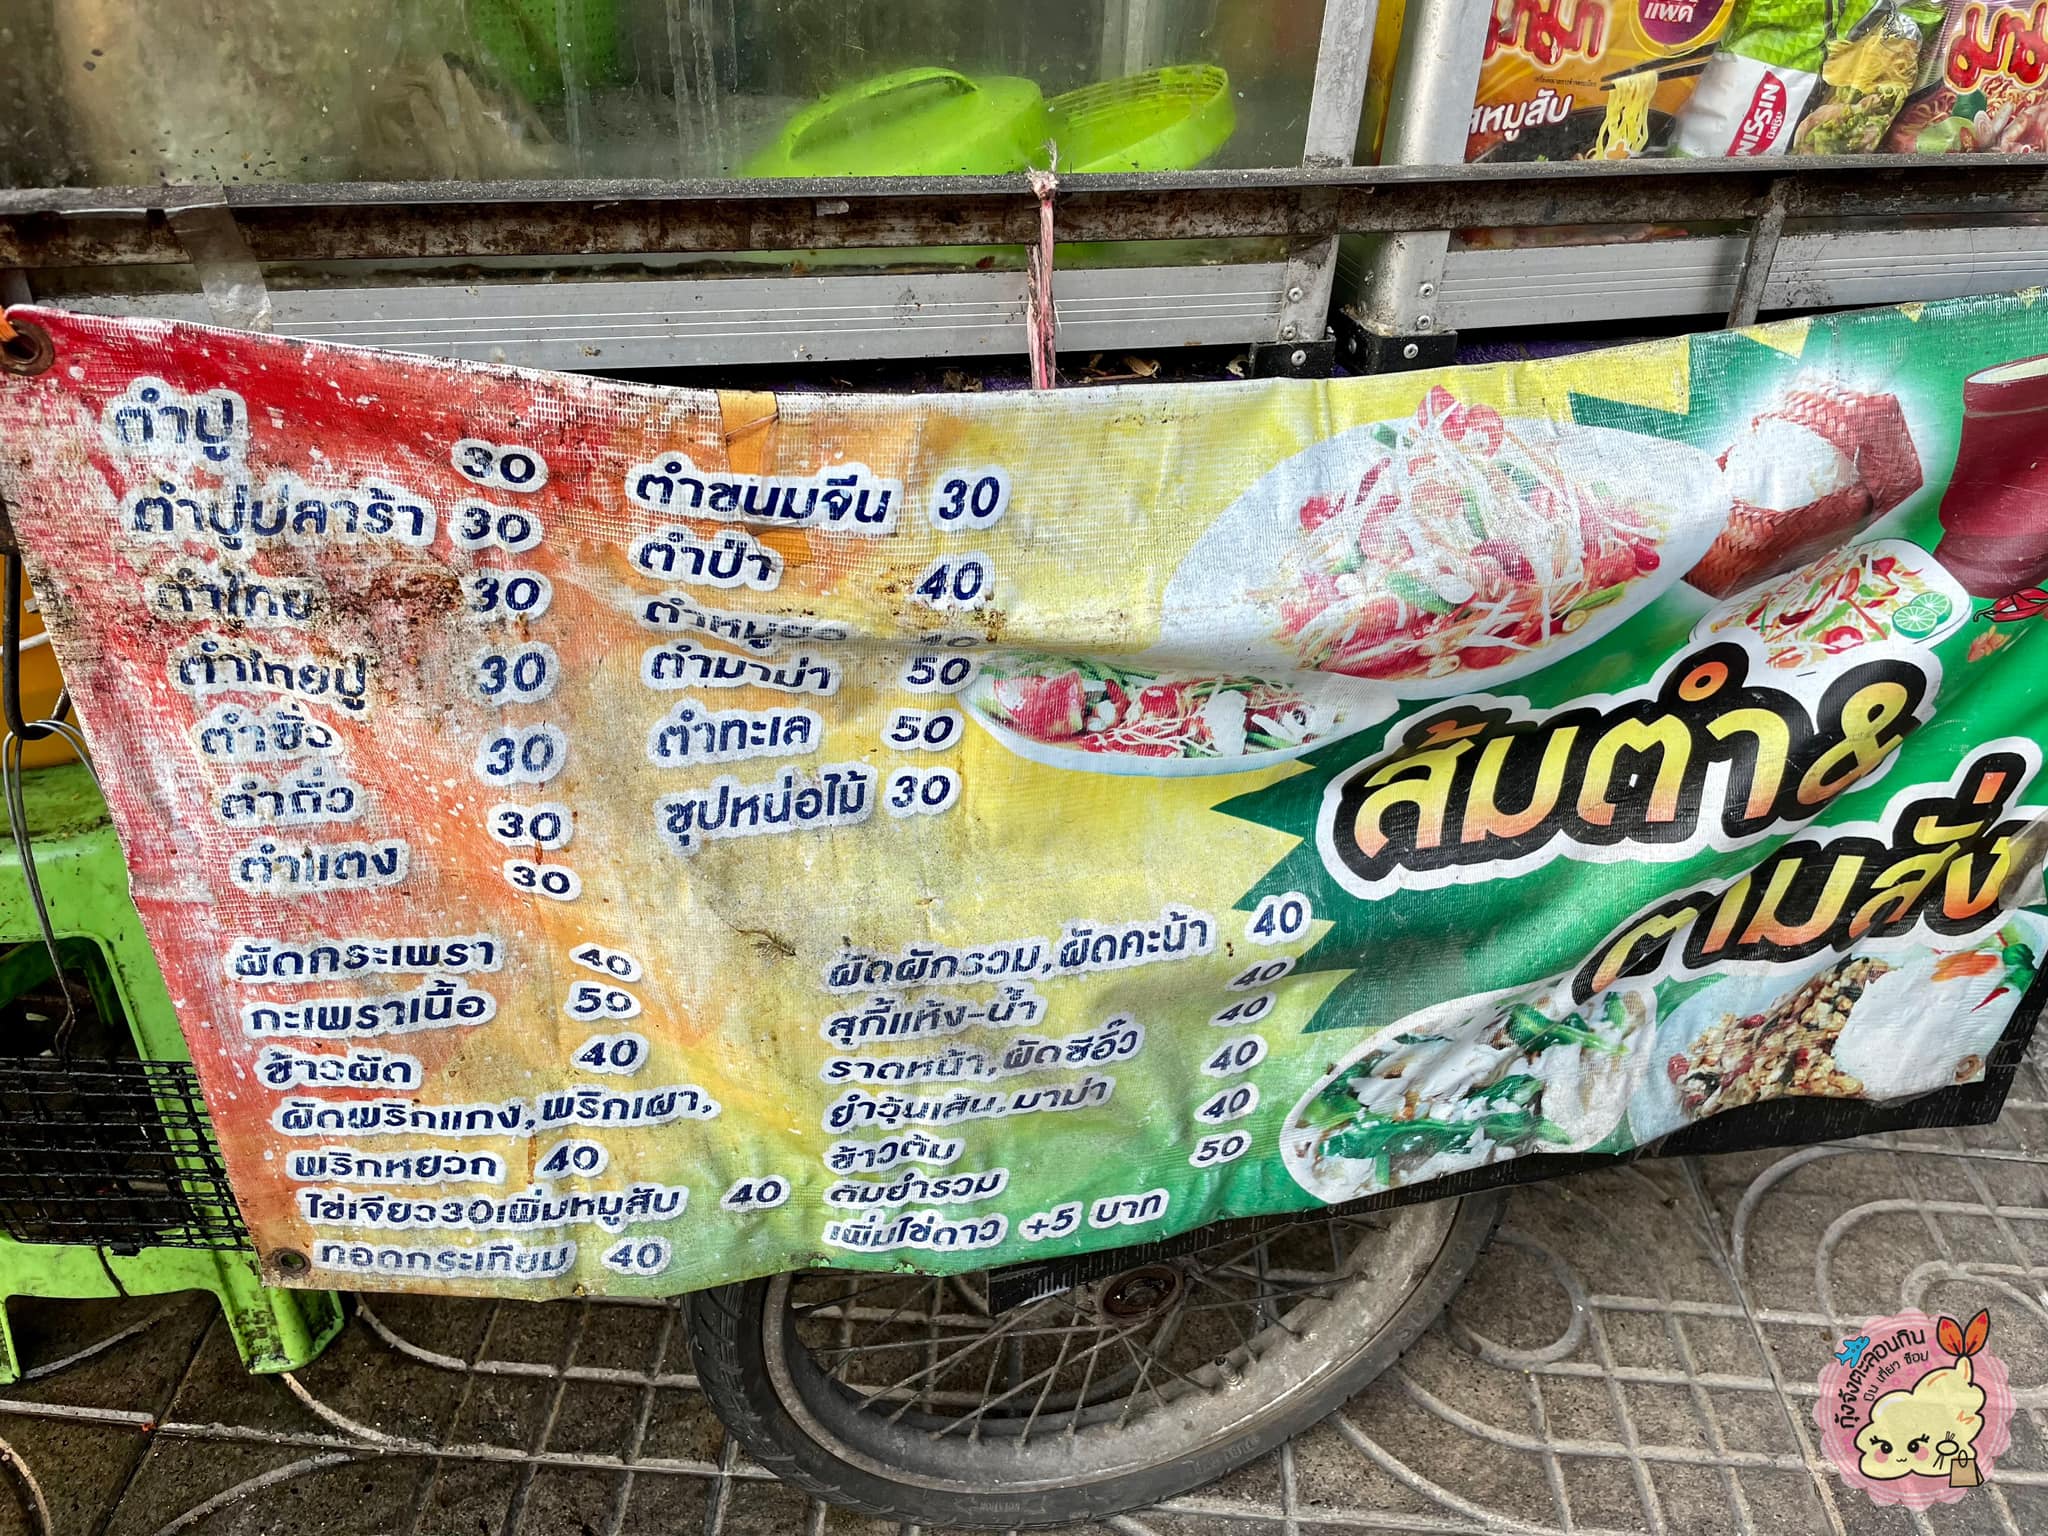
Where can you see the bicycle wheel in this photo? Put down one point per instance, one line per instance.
(904, 1396)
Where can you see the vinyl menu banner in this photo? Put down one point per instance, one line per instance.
(624, 839)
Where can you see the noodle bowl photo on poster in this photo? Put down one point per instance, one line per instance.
(1470, 1082)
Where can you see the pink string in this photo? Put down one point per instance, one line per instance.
(1038, 282)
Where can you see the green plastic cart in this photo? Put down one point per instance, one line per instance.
(110, 1180)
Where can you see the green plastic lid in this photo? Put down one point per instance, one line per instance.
(1169, 119)
(917, 122)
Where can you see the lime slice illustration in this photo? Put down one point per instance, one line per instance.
(1923, 615)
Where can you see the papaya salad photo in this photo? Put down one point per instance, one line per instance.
(1849, 598)
(1448, 550)
(1466, 547)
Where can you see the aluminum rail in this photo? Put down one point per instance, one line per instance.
(64, 227)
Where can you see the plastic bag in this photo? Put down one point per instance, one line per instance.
(1756, 87)
(1864, 83)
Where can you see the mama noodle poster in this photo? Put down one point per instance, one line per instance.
(628, 839)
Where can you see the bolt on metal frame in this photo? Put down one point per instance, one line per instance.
(1435, 78)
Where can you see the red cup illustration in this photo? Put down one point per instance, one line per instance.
(1994, 516)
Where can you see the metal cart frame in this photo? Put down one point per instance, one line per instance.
(1791, 234)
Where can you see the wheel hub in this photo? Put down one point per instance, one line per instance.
(1140, 1292)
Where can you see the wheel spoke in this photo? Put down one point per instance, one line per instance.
(932, 1325)
(1144, 1366)
(1318, 1290)
(1064, 1373)
(1275, 1319)
(1233, 1304)
(926, 1374)
(1052, 1374)
(996, 1357)
(1093, 1355)
(1306, 1293)
(980, 1411)
(808, 1308)
(1152, 1359)
(982, 1330)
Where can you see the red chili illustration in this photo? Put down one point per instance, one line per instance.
(2027, 603)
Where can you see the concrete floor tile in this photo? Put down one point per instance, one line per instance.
(663, 1506)
(467, 1498)
(596, 1419)
(108, 1353)
(633, 1339)
(1638, 1352)
(256, 1490)
(80, 1471)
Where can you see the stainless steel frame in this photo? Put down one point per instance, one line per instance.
(1814, 269)
(1435, 78)
(517, 271)
(407, 221)
(660, 322)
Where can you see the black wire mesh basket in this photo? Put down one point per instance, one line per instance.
(98, 1147)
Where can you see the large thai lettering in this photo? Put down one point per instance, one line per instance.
(1947, 859)
(1547, 30)
(1704, 756)
(1996, 41)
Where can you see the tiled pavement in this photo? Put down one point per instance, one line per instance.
(1636, 1353)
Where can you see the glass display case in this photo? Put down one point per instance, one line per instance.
(1885, 94)
(452, 96)
(111, 93)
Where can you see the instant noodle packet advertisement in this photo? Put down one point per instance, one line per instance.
(611, 839)
(1589, 79)
(1983, 91)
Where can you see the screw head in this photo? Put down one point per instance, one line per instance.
(1297, 357)
(1288, 332)
(1411, 352)
(1427, 289)
(1294, 294)
(290, 1261)
(1424, 323)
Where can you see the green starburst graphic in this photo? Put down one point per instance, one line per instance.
(1411, 948)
